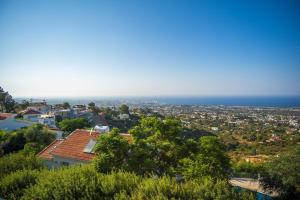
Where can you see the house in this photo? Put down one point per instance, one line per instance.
(31, 115)
(74, 149)
(86, 115)
(65, 113)
(48, 120)
(41, 107)
(102, 129)
(124, 116)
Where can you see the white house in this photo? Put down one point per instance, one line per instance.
(102, 129)
(31, 115)
(124, 116)
(48, 120)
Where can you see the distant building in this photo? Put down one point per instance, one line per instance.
(65, 113)
(214, 128)
(124, 116)
(102, 129)
(48, 120)
(41, 107)
(31, 115)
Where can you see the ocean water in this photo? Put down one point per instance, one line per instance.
(235, 101)
(269, 101)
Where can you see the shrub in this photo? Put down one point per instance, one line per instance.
(13, 185)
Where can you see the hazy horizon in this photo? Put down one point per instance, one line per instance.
(149, 48)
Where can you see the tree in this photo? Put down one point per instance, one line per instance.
(124, 109)
(70, 125)
(66, 105)
(37, 137)
(210, 161)
(6, 101)
(282, 175)
(91, 105)
(156, 147)
(112, 151)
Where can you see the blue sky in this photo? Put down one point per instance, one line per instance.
(145, 48)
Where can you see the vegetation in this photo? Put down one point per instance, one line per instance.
(83, 182)
(283, 175)
(69, 125)
(33, 138)
(66, 105)
(6, 101)
(124, 109)
(18, 161)
(158, 148)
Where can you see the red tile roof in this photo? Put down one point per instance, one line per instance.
(31, 112)
(45, 153)
(6, 115)
(72, 147)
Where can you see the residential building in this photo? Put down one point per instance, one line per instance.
(74, 149)
(102, 129)
(31, 115)
(41, 107)
(48, 120)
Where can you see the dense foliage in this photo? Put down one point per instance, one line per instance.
(283, 175)
(156, 147)
(70, 125)
(6, 101)
(83, 182)
(18, 161)
(33, 138)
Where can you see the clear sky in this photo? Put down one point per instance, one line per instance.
(145, 48)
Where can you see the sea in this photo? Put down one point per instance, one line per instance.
(253, 101)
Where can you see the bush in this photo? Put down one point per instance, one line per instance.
(70, 125)
(18, 161)
(12, 186)
(83, 182)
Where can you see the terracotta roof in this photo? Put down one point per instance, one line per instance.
(6, 115)
(45, 153)
(71, 147)
(31, 112)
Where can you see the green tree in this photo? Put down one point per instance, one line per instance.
(6, 101)
(70, 125)
(210, 161)
(124, 109)
(112, 152)
(157, 147)
(38, 137)
(66, 105)
(282, 174)
(91, 105)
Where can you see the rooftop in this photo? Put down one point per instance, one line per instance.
(71, 147)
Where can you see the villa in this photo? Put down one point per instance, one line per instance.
(76, 148)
